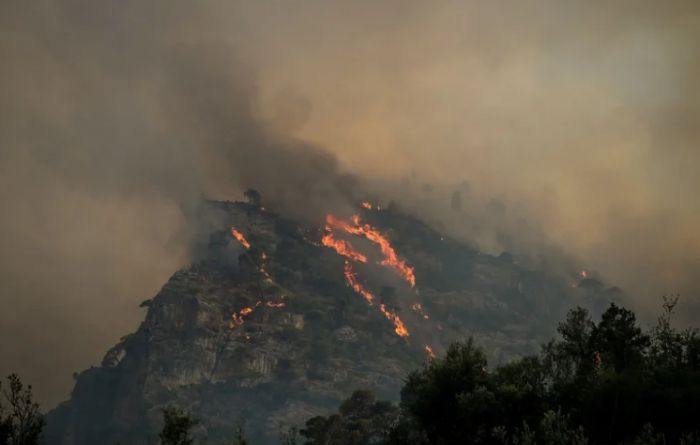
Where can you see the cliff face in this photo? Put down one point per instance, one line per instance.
(271, 333)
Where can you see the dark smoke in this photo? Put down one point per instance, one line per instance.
(116, 118)
(573, 124)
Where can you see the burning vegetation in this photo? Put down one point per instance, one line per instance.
(241, 239)
(346, 250)
(238, 317)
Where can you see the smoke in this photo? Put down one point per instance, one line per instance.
(568, 128)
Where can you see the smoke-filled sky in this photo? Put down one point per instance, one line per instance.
(567, 124)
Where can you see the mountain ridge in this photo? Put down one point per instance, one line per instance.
(274, 333)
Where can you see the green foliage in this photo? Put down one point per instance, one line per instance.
(618, 339)
(361, 420)
(177, 427)
(21, 423)
(600, 383)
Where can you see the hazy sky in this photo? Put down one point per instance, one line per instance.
(582, 118)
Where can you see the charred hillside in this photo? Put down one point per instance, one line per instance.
(279, 321)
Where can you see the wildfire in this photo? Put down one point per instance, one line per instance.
(346, 250)
(343, 247)
(238, 318)
(417, 307)
(246, 310)
(391, 259)
(367, 205)
(429, 351)
(399, 327)
(356, 285)
(241, 239)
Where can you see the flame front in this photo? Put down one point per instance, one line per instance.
(343, 247)
(238, 318)
(346, 250)
(399, 327)
(391, 259)
(241, 239)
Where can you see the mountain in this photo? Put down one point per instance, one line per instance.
(278, 321)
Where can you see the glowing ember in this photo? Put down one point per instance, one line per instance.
(584, 274)
(241, 239)
(391, 259)
(367, 205)
(429, 351)
(418, 308)
(238, 318)
(399, 327)
(355, 284)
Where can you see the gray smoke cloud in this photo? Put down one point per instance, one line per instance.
(569, 129)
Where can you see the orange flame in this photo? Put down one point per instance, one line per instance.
(237, 318)
(584, 274)
(241, 239)
(391, 259)
(399, 327)
(343, 247)
(367, 205)
(355, 284)
(429, 351)
(346, 250)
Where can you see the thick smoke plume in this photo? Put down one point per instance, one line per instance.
(542, 128)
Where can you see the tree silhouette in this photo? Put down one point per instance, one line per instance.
(21, 423)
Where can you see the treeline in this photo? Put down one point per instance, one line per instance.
(609, 382)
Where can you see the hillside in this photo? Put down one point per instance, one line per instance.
(279, 321)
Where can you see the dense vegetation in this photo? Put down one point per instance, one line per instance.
(604, 383)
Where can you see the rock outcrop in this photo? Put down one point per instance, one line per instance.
(308, 340)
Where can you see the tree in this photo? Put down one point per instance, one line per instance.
(442, 397)
(21, 423)
(253, 196)
(618, 339)
(177, 428)
(361, 420)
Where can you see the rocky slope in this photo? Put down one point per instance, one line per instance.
(267, 330)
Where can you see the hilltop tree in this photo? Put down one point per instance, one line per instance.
(21, 423)
(618, 338)
(253, 196)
